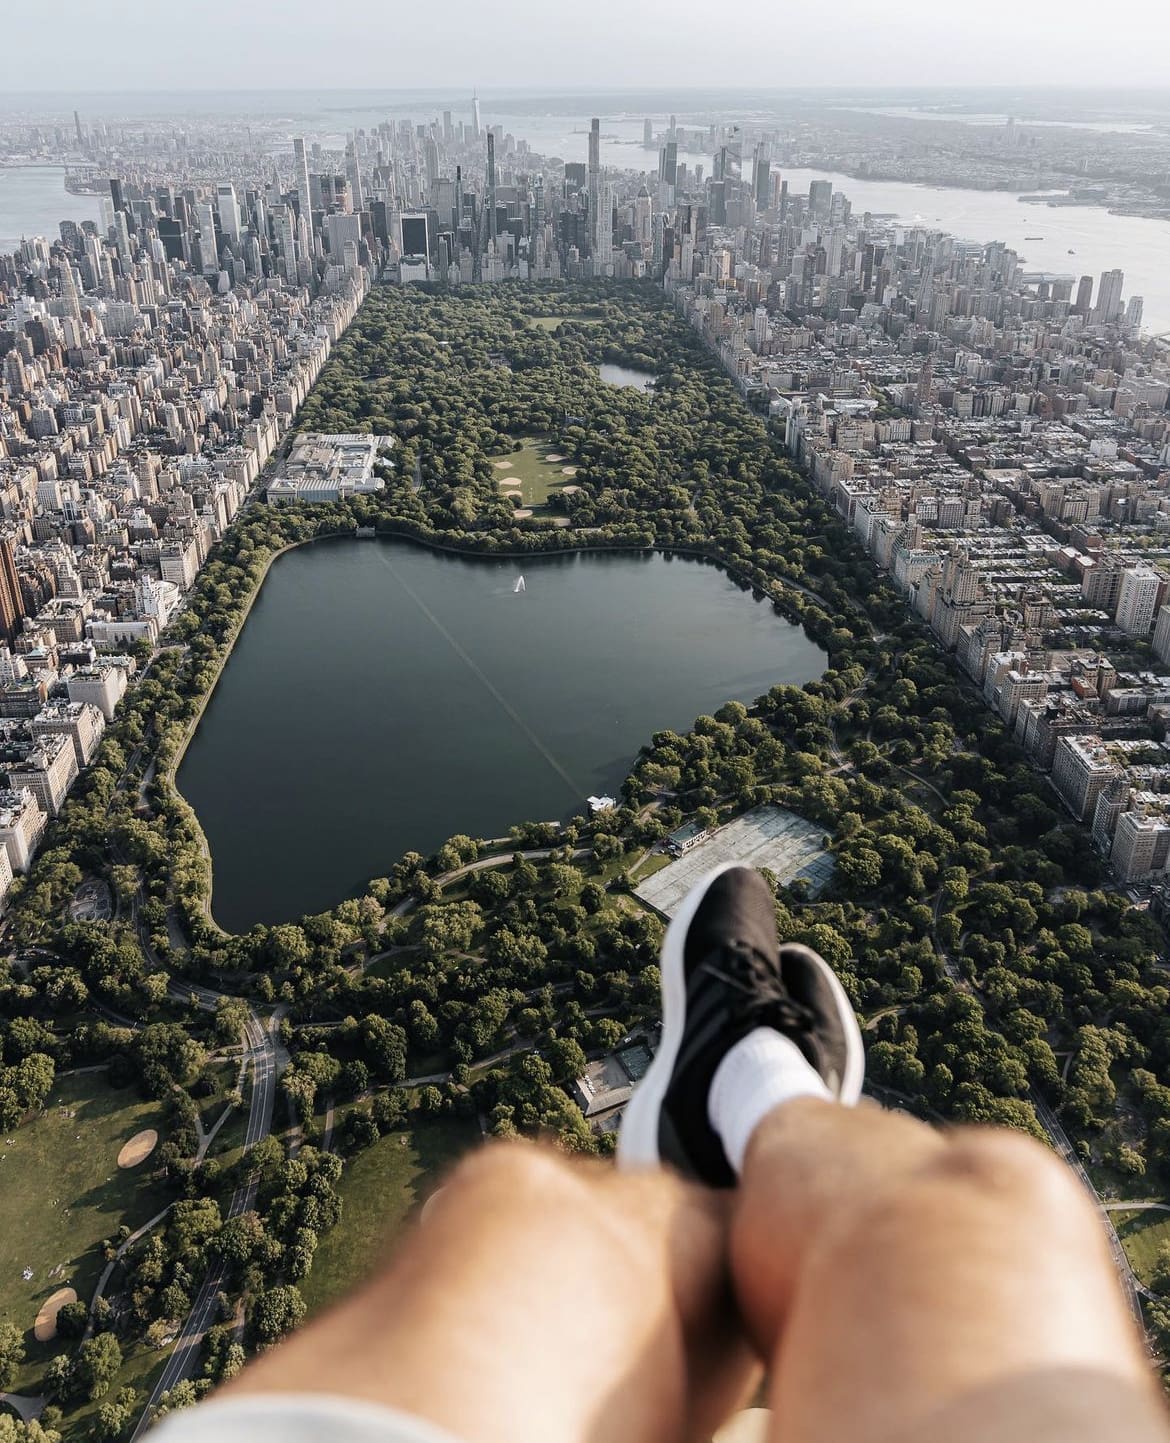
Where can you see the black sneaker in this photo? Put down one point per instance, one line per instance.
(723, 975)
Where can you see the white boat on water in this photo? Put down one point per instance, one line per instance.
(519, 585)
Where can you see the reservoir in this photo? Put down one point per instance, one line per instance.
(382, 697)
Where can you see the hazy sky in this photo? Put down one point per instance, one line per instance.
(585, 44)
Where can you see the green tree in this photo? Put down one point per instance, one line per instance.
(72, 1319)
(114, 1419)
(276, 1311)
(98, 1362)
(11, 1353)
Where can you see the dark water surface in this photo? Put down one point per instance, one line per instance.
(382, 697)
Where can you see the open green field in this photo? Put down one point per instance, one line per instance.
(1143, 1234)
(380, 1190)
(539, 477)
(550, 323)
(62, 1192)
(653, 863)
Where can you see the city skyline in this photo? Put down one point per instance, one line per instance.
(622, 46)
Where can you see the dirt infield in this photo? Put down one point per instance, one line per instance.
(139, 1148)
(45, 1327)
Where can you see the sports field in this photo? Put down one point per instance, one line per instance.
(550, 323)
(381, 1189)
(536, 472)
(62, 1192)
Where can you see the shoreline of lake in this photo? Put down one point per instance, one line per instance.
(530, 725)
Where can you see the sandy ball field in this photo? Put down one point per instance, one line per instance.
(45, 1327)
(139, 1148)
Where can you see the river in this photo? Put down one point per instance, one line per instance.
(34, 201)
(382, 697)
(1140, 247)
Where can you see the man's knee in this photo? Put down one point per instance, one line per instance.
(1008, 1167)
(524, 1174)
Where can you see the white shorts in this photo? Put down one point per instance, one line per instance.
(296, 1418)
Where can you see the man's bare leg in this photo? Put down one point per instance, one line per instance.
(912, 1285)
(543, 1301)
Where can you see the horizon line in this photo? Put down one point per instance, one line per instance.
(705, 88)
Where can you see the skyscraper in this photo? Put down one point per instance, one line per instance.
(68, 287)
(668, 163)
(820, 198)
(431, 159)
(208, 241)
(1084, 302)
(1141, 588)
(603, 244)
(301, 167)
(1109, 296)
(11, 601)
(353, 173)
(762, 176)
(594, 185)
(285, 232)
(647, 134)
(644, 219)
(491, 185)
(475, 125)
(229, 211)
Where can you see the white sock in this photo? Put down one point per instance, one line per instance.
(761, 1071)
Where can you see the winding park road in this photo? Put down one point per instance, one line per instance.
(262, 1057)
(481, 864)
(1060, 1141)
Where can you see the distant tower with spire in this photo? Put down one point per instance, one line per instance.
(475, 125)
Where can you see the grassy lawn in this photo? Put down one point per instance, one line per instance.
(1143, 1233)
(228, 1145)
(224, 1075)
(539, 478)
(62, 1192)
(380, 1189)
(550, 323)
(653, 863)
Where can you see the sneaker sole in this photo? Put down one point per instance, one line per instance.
(638, 1138)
